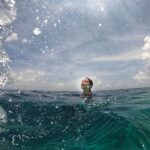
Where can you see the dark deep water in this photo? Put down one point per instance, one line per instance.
(36, 120)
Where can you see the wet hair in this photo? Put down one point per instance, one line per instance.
(90, 81)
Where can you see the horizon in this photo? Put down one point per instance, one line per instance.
(76, 90)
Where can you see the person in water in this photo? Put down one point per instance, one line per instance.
(86, 85)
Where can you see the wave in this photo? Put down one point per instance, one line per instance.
(101, 125)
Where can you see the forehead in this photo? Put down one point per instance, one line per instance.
(85, 80)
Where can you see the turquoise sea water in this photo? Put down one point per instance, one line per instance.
(36, 120)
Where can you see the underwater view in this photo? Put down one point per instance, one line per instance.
(36, 120)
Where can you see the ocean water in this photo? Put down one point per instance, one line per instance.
(37, 120)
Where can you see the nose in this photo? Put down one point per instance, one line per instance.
(82, 84)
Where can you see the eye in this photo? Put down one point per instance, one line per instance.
(85, 81)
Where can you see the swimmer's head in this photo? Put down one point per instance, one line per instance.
(86, 83)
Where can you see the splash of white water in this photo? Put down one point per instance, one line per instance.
(7, 17)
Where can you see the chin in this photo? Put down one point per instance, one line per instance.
(83, 88)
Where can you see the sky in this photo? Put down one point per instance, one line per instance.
(53, 44)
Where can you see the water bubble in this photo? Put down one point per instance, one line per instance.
(143, 145)
(99, 25)
(10, 111)
(58, 21)
(55, 25)
(12, 120)
(19, 92)
(19, 119)
(10, 100)
(13, 140)
(56, 107)
(45, 21)
(37, 31)
(37, 18)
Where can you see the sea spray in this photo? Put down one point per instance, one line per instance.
(7, 17)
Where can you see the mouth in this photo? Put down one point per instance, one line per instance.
(83, 86)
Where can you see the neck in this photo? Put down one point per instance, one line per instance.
(87, 92)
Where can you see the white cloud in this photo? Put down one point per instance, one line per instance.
(133, 55)
(27, 75)
(147, 43)
(143, 75)
(32, 79)
(145, 55)
(140, 76)
(26, 79)
(12, 37)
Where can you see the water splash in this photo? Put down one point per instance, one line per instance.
(7, 17)
(3, 119)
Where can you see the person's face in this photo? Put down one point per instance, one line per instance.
(85, 84)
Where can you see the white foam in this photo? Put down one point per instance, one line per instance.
(7, 12)
(3, 116)
(7, 17)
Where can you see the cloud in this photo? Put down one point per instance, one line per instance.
(27, 75)
(147, 43)
(145, 55)
(144, 74)
(129, 56)
(33, 79)
(140, 76)
(26, 79)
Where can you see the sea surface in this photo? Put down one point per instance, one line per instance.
(37, 120)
